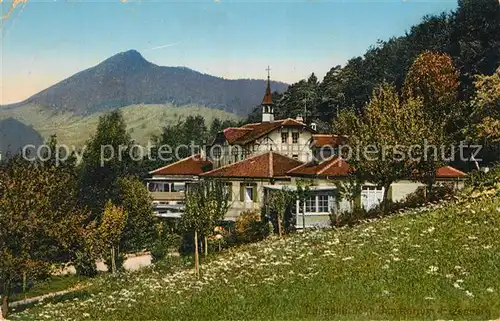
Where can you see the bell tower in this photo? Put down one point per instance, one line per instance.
(267, 103)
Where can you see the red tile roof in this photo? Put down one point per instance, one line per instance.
(234, 133)
(332, 167)
(449, 172)
(257, 130)
(265, 165)
(321, 140)
(193, 165)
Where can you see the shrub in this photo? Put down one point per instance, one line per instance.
(250, 227)
(349, 218)
(415, 199)
(480, 180)
(85, 265)
(163, 245)
(440, 192)
(119, 260)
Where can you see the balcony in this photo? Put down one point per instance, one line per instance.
(167, 196)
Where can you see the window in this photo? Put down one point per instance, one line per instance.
(295, 138)
(318, 204)
(295, 156)
(248, 192)
(178, 187)
(216, 153)
(236, 158)
(311, 204)
(323, 203)
(284, 137)
(158, 187)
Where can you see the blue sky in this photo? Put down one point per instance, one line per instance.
(47, 41)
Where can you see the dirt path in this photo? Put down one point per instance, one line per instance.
(132, 263)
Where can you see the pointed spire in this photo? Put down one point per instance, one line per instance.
(268, 99)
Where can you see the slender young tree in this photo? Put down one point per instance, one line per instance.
(278, 201)
(114, 220)
(207, 202)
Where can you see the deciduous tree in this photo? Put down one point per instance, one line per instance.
(114, 220)
(139, 231)
(434, 79)
(40, 220)
(107, 159)
(278, 201)
(207, 202)
(381, 137)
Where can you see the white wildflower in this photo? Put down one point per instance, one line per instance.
(469, 294)
(348, 258)
(490, 290)
(432, 269)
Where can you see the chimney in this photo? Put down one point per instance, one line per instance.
(299, 118)
(313, 126)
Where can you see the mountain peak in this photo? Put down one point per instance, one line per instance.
(127, 78)
(132, 53)
(129, 57)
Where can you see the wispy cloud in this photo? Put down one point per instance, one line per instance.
(165, 46)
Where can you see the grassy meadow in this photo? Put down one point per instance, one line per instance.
(439, 263)
(142, 120)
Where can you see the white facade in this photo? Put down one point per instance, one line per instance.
(290, 141)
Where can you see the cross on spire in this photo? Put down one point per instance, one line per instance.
(268, 100)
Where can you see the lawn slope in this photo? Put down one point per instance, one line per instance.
(437, 264)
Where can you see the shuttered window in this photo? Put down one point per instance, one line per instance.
(248, 192)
